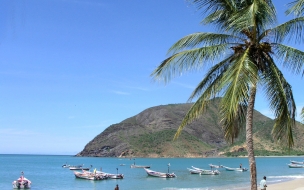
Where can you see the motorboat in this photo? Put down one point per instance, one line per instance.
(22, 183)
(215, 166)
(296, 162)
(79, 167)
(295, 165)
(65, 165)
(109, 175)
(235, 169)
(138, 166)
(201, 171)
(89, 175)
(159, 174)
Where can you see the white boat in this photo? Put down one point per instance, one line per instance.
(296, 162)
(159, 174)
(65, 165)
(236, 169)
(89, 175)
(295, 165)
(80, 167)
(203, 171)
(109, 175)
(22, 183)
(138, 166)
(215, 166)
(193, 171)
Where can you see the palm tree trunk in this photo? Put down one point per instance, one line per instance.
(249, 138)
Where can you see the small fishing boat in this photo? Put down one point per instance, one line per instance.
(203, 171)
(138, 166)
(159, 174)
(79, 167)
(236, 169)
(109, 175)
(295, 165)
(89, 175)
(215, 166)
(296, 162)
(22, 183)
(65, 165)
(193, 171)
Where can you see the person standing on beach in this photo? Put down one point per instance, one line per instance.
(263, 183)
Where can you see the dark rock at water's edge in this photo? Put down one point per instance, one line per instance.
(151, 132)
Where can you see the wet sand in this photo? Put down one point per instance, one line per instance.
(297, 184)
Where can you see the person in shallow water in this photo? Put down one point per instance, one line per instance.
(240, 165)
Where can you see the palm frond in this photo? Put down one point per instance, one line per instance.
(202, 39)
(237, 78)
(296, 7)
(302, 115)
(212, 75)
(212, 85)
(234, 125)
(188, 60)
(290, 30)
(215, 11)
(259, 15)
(291, 58)
(279, 93)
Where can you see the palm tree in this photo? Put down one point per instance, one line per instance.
(240, 60)
(297, 7)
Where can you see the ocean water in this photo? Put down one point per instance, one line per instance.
(46, 172)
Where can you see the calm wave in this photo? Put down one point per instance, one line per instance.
(46, 172)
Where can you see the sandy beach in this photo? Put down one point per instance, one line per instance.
(297, 184)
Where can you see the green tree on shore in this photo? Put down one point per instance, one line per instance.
(240, 59)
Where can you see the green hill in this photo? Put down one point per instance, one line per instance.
(150, 134)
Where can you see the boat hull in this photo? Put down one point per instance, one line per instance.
(296, 162)
(295, 166)
(236, 169)
(89, 176)
(159, 174)
(139, 166)
(203, 171)
(22, 184)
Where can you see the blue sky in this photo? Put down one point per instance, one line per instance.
(71, 68)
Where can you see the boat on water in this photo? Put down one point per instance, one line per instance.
(194, 171)
(296, 162)
(79, 167)
(89, 175)
(138, 166)
(295, 165)
(215, 166)
(201, 171)
(65, 165)
(22, 183)
(110, 175)
(235, 169)
(159, 174)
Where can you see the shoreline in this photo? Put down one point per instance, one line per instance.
(296, 184)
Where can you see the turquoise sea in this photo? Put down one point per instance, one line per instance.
(46, 172)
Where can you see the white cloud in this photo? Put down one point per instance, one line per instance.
(120, 92)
